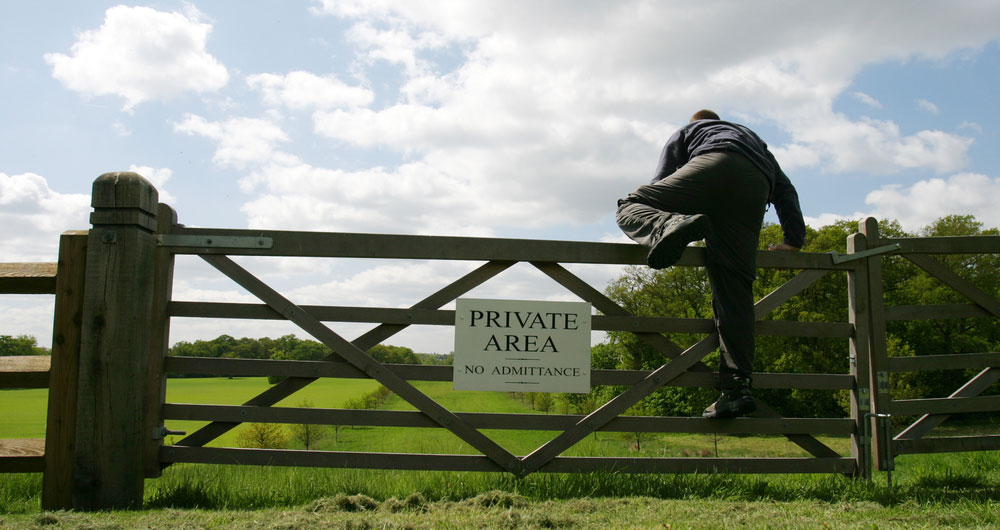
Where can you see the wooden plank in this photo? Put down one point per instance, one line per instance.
(859, 303)
(480, 420)
(975, 386)
(159, 342)
(565, 464)
(329, 459)
(26, 455)
(947, 244)
(911, 407)
(871, 352)
(438, 462)
(27, 371)
(414, 372)
(952, 444)
(430, 317)
(60, 422)
(12, 447)
(952, 361)
(27, 278)
(935, 311)
(447, 318)
(389, 246)
(289, 386)
(364, 362)
(708, 379)
(964, 287)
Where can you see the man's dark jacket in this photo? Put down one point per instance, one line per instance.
(710, 136)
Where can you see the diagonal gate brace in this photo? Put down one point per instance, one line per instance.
(366, 364)
(843, 258)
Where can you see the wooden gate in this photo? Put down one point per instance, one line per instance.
(930, 411)
(685, 366)
(127, 309)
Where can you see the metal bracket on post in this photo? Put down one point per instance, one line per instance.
(178, 240)
(843, 258)
(885, 419)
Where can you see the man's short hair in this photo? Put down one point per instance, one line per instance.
(705, 114)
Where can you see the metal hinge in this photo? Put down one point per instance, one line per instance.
(177, 240)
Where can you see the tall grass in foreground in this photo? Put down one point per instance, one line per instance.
(959, 478)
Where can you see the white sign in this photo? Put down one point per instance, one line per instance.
(522, 346)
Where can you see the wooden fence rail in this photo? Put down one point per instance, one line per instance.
(107, 375)
(25, 455)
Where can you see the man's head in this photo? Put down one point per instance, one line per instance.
(704, 114)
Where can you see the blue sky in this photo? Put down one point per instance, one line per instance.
(508, 119)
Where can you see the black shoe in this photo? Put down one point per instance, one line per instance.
(675, 234)
(731, 404)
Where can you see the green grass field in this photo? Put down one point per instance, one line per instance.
(949, 490)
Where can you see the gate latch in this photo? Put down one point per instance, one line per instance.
(162, 432)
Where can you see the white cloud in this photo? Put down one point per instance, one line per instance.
(552, 87)
(920, 204)
(32, 215)
(927, 106)
(241, 141)
(866, 99)
(972, 126)
(871, 146)
(302, 90)
(141, 54)
(541, 115)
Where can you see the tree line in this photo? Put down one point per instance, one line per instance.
(289, 348)
(20, 345)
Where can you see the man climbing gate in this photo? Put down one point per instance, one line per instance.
(714, 181)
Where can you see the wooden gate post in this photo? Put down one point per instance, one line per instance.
(858, 309)
(111, 432)
(878, 349)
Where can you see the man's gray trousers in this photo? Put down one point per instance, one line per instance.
(733, 193)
